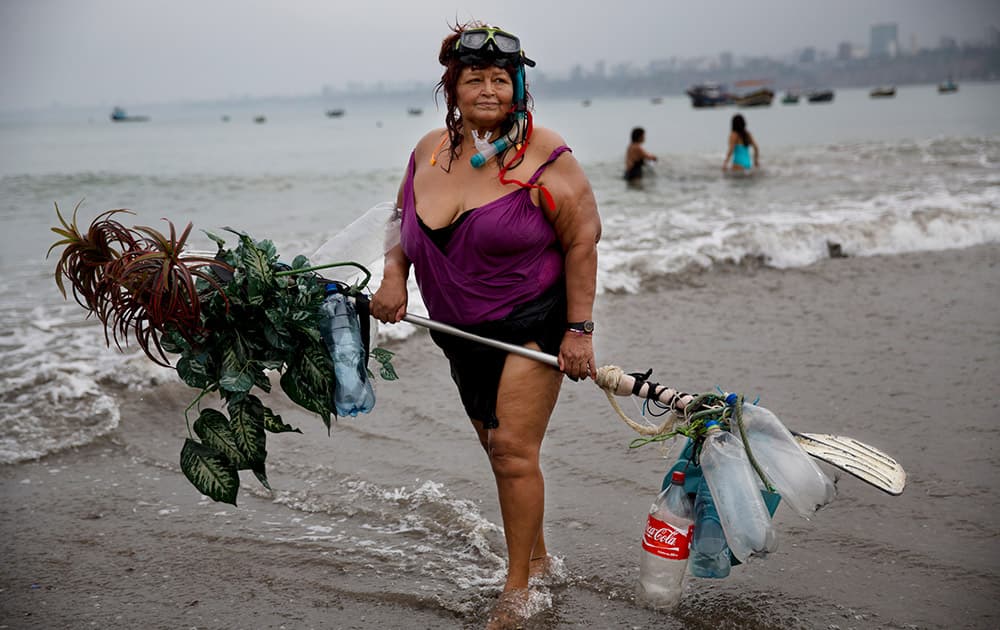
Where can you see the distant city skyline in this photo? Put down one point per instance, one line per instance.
(104, 52)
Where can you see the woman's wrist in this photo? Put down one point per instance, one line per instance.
(583, 327)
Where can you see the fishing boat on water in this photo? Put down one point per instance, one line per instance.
(791, 97)
(820, 96)
(757, 98)
(120, 115)
(883, 91)
(708, 95)
(947, 87)
(334, 113)
(759, 94)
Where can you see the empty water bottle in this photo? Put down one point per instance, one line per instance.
(665, 547)
(733, 484)
(795, 476)
(709, 551)
(342, 333)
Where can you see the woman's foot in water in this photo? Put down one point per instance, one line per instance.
(546, 570)
(510, 611)
(514, 608)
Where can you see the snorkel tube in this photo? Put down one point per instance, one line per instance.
(516, 133)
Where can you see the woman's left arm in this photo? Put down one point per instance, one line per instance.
(578, 226)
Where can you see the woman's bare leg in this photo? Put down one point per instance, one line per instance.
(525, 400)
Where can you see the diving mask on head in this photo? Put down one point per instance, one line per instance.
(490, 45)
(493, 46)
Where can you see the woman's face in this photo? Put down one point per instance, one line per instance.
(485, 96)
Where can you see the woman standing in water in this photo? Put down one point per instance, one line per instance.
(636, 156)
(503, 245)
(740, 143)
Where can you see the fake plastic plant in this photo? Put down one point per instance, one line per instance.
(230, 318)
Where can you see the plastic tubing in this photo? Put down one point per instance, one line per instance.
(500, 145)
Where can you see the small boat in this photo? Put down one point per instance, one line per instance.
(334, 113)
(790, 98)
(260, 120)
(585, 102)
(820, 96)
(656, 100)
(708, 95)
(225, 118)
(414, 111)
(119, 115)
(947, 87)
(757, 98)
(883, 91)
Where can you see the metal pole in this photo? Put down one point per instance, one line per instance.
(537, 355)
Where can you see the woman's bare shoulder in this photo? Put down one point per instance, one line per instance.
(429, 143)
(546, 140)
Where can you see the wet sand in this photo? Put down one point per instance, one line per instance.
(902, 352)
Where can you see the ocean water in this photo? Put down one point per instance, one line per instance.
(915, 173)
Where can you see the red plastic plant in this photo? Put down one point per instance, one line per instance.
(135, 280)
(85, 255)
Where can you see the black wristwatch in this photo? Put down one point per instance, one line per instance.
(585, 327)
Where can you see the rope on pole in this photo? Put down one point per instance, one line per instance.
(608, 379)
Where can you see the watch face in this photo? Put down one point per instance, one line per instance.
(588, 326)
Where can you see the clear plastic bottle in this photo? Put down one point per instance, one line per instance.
(342, 334)
(709, 551)
(733, 484)
(795, 476)
(665, 547)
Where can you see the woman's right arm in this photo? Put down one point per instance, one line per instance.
(389, 302)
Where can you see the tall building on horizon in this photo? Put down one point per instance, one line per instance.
(884, 40)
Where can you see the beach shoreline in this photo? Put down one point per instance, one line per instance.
(900, 351)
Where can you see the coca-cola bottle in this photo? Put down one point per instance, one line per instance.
(665, 546)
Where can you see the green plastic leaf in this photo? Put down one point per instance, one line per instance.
(278, 337)
(387, 372)
(262, 381)
(274, 423)
(194, 372)
(246, 419)
(309, 380)
(259, 275)
(210, 472)
(383, 356)
(218, 239)
(261, 474)
(237, 372)
(171, 341)
(213, 428)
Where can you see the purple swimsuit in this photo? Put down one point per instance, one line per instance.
(504, 253)
(496, 271)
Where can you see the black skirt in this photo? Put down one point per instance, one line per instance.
(476, 368)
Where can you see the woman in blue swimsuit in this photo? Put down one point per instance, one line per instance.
(740, 143)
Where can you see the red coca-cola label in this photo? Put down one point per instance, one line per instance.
(665, 540)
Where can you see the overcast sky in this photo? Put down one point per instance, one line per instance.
(97, 52)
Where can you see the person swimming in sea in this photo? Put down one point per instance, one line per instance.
(740, 143)
(636, 156)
